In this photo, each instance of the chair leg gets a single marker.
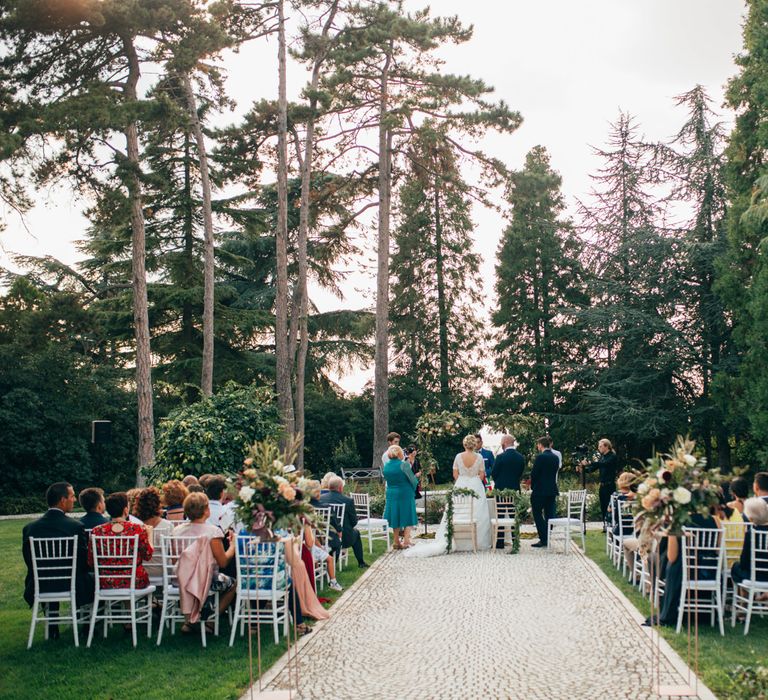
(93, 622)
(33, 624)
(149, 616)
(163, 613)
(748, 620)
(370, 541)
(232, 632)
(681, 609)
(73, 607)
(132, 608)
(203, 632)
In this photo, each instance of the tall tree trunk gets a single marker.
(442, 312)
(299, 320)
(282, 356)
(187, 329)
(206, 380)
(381, 356)
(146, 426)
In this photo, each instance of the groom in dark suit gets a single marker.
(507, 472)
(544, 487)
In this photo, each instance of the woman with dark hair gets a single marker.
(120, 526)
(148, 508)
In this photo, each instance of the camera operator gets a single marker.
(413, 460)
(606, 464)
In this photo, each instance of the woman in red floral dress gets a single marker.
(120, 526)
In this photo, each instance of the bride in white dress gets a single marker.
(468, 467)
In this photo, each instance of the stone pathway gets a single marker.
(535, 625)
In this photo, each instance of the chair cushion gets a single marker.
(371, 522)
(761, 585)
(125, 593)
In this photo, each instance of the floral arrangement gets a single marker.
(270, 493)
(521, 506)
(449, 514)
(675, 486)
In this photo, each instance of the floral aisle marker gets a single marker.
(521, 505)
(449, 514)
(270, 494)
(675, 486)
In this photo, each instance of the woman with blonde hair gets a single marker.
(400, 506)
(606, 465)
(468, 472)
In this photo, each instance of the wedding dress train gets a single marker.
(468, 478)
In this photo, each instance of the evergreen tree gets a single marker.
(436, 276)
(540, 281)
(632, 364)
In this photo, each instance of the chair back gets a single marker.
(577, 501)
(703, 550)
(759, 563)
(626, 518)
(54, 563)
(115, 557)
(505, 507)
(463, 508)
(171, 548)
(338, 510)
(362, 505)
(612, 510)
(323, 523)
(260, 564)
(176, 523)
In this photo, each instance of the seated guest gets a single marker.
(189, 480)
(120, 526)
(321, 550)
(203, 479)
(174, 493)
(197, 511)
(222, 516)
(55, 523)
(673, 570)
(324, 487)
(92, 501)
(195, 488)
(131, 494)
(148, 508)
(739, 490)
(756, 509)
(350, 537)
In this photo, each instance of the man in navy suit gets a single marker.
(56, 523)
(350, 537)
(508, 467)
(760, 485)
(487, 455)
(544, 487)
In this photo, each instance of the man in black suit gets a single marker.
(350, 537)
(56, 523)
(760, 485)
(92, 501)
(507, 471)
(544, 487)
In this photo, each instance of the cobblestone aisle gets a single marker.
(535, 625)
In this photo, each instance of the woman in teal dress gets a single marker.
(400, 508)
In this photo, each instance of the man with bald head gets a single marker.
(350, 537)
(509, 465)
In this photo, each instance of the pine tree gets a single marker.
(633, 361)
(540, 282)
(436, 275)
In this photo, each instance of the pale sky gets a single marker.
(567, 66)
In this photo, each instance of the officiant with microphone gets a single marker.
(606, 465)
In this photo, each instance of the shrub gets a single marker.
(22, 505)
(345, 455)
(749, 683)
(213, 435)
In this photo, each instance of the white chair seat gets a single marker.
(54, 596)
(372, 522)
(565, 521)
(758, 585)
(125, 593)
(503, 521)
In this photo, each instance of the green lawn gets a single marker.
(111, 668)
(717, 655)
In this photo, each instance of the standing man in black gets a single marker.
(544, 487)
(56, 523)
(506, 473)
(606, 465)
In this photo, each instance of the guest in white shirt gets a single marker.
(392, 439)
(222, 516)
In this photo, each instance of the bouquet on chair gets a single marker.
(675, 486)
(270, 494)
